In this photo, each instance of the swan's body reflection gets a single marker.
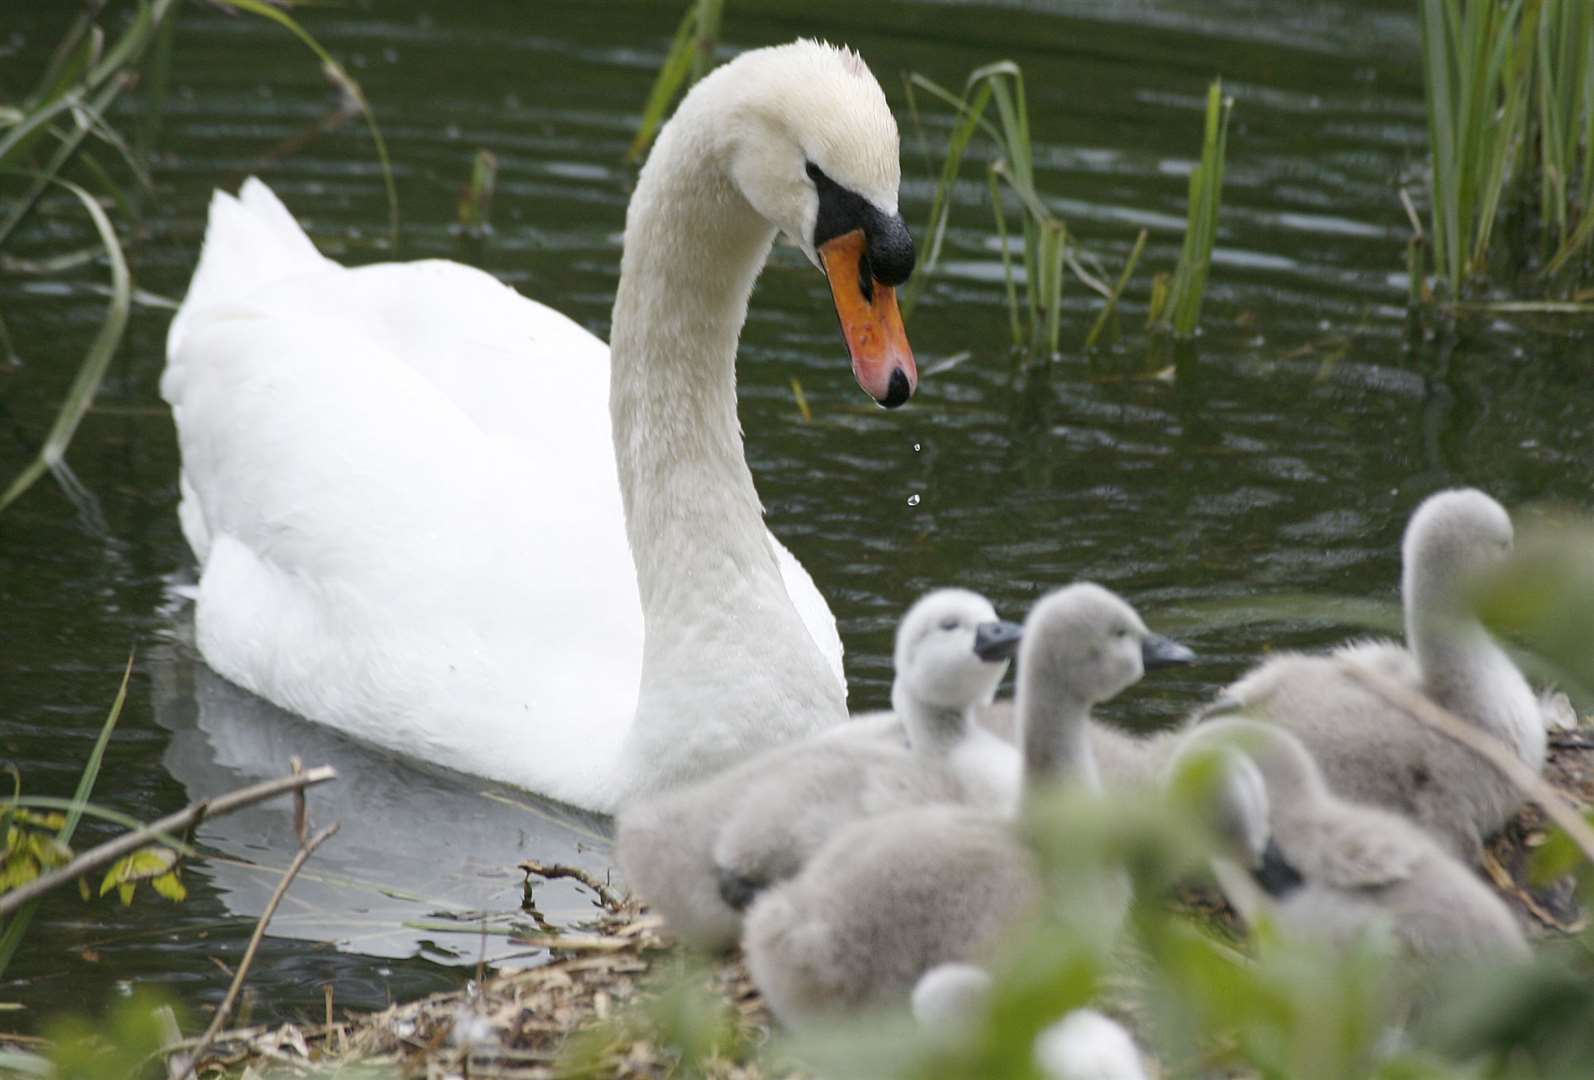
(423, 859)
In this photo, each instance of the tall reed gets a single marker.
(691, 56)
(1043, 239)
(1510, 99)
(49, 139)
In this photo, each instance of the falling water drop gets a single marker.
(913, 500)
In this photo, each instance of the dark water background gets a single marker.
(1281, 460)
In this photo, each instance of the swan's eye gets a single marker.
(1121, 633)
(950, 623)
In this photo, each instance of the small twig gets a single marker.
(1556, 808)
(171, 824)
(606, 895)
(565, 943)
(248, 960)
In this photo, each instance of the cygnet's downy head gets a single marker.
(1452, 539)
(952, 650)
(1085, 643)
(809, 141)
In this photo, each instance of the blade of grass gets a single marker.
(1187, 287)
(1007, 256)
(340, 75)
(95, 362)
(970, 119)
(82, 113)
(686, 61)
(1111, 308)
(102, 813)
(17, 927)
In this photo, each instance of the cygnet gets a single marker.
(887, 898)
(1373, 752)
(697, 855)
(1332, 870)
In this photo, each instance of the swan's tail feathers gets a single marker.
(251, 240)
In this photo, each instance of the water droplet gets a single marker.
(913, 500)
(915, 448)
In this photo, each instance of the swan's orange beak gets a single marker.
(882, 359)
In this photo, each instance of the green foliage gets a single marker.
(49, 139)
(155, 864)
(1544, 596)
(1047, 247)
(124, 1044)
(691, 56)
(1180, 306)
(475, 209)
(17, 927)
(1501, 80)
(680, 1022)
(31, 845)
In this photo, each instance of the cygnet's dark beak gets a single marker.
(997, 640)
(1157, 651)
(1274, 873)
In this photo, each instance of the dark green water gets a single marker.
(1282, 459)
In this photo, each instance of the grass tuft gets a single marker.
(1044, 240)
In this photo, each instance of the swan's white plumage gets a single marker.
(400, 485)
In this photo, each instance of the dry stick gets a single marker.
(606, 894)
(231, 999)
(1499, 755)
(170, 825)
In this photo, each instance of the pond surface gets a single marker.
(1281, 457)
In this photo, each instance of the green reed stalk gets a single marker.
(1188, 286)
(1036, 317)
(17, 927)
(95, 363)
(690, 57)
(1110, 310)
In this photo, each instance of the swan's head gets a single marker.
(1084, 643)
(806, 137)
(952, 650)
(1453, 538)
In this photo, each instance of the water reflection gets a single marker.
(423, 860)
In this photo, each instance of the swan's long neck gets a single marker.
(1055, 726)
(721, 634)
(1465, 670)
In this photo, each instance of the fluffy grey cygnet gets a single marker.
(698, 855)
(1083, 1045)
(1331, 869)
(887, 898)
(1372, 752)
(951, 652)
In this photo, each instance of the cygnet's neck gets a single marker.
(933, 730)
(1054, 724)
(1465, 669)
(728, 665)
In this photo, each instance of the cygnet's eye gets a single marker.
(1121, 633)
(951, 622)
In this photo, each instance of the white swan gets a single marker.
(411, 490)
